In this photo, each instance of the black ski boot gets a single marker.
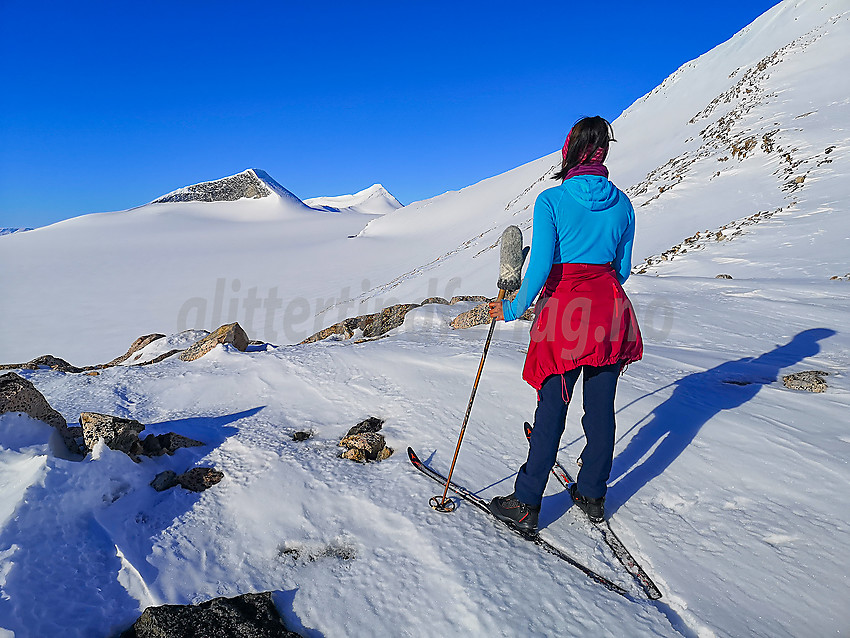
(593, 507)
(515, 513)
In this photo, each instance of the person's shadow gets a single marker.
(697, 398)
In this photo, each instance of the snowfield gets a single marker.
(728, 487)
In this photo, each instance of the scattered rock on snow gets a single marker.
(809, 380)
(199, 479)
(366, 446)
(246, 616)
(301, 436)
(123, 435)
(164, 480)
(722, 276)
(231, 333)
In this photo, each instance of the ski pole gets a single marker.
(512, 256)
(441, 503)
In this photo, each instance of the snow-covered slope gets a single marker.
(375, 200)
(726, 485)
(755, 126)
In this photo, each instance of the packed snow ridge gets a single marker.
(373, 200)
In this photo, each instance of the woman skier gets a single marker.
(580, 257)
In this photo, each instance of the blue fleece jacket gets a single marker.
(585, 220)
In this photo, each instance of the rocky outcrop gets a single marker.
(245, 616)
(138, 344)
(363, 442)
(123, 435)
(231, 333)
(47, 360)
(55, 363)
(20, 395)
(373, 325)
(226, 189)
(723, 276)
(808, 380)
(481, 314)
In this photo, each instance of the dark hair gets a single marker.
(587, 135)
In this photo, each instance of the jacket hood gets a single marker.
(593, 191)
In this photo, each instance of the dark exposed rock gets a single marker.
(372, 424)
(199, 479)
(20, 395)
(245, 616)
(164, 480)
(808, 380)
(301, 436)
(118, 433)
(231, 333)
(227, 189)
(373, 325)
(722, 276)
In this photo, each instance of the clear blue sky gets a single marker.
(106, 105)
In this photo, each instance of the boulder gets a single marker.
(20, 395)
(118, 433)
(301, 436)
(246, 616)
(199, 479)
(808, 380)
(231, 333)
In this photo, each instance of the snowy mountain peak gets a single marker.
(252, 183)
(375, 200)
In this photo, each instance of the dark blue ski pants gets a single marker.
(600, 385)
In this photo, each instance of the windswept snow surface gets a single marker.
(728, 487)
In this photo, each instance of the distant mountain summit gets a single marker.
(11, 231)
(375, 200)
(257, 184)
(252, 183)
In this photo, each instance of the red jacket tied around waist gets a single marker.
(583, 317)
